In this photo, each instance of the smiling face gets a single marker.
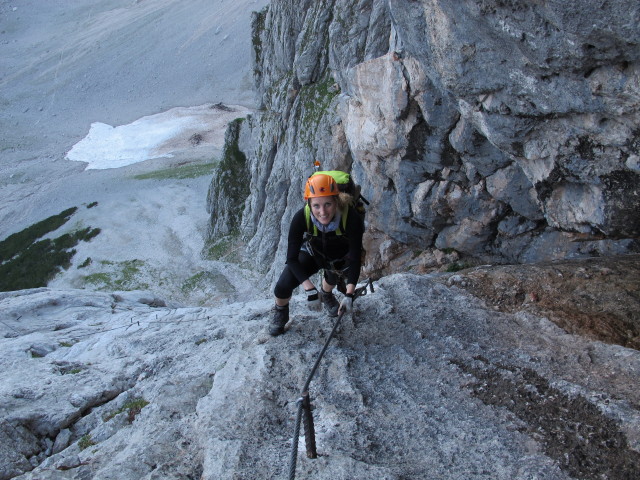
(324, 209)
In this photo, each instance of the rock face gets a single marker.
(506, 131)
(422, 381)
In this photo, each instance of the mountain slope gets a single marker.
(67, 64)
(423, 381)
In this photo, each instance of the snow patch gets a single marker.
(155, 136)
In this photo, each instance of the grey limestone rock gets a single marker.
(63, 439)
(422, 379)
(454, 117)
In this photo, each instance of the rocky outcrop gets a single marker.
(497, 131)
(228, 189)
(423, 380)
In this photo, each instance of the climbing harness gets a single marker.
(304, 402)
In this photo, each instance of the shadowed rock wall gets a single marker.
(496, 131)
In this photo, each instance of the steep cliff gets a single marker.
(485, 131)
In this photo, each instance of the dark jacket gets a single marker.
(328, 246)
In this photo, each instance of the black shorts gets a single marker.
(288, 282)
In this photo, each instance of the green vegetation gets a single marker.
(230, 180)
(86, 263)
(456, 267)
(201, 341)
(204, 280)
(316, 100)
(180, 173)
(134, 407)
(220, 248)
(27, 263)
(257, 27)
(124, 277)
(194, 281)
(14, 244)
(85, 442)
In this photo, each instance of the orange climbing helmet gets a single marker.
(320, 185)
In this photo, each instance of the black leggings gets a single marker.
(287, 281)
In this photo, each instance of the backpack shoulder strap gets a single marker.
(307, 217)
(343, 221)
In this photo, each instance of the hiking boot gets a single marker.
(279, 320)
(330, 303)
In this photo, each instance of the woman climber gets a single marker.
(325, 234)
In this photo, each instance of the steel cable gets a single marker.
(293, 459)
(294, 444)
(305, 389)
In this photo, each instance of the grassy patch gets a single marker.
(228, 248)
(220, 248)
(85, 442)
(73, 371)
(125, 276)
(134, 407)
(194, 281)
(26, 262)
(180, 173)
(456, 267)
(98, 278)
(203, 280)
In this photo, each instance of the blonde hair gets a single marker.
(344, 200)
